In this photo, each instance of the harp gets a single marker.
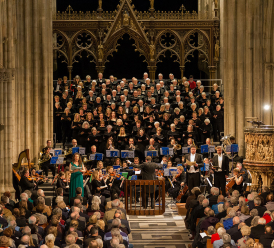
(22, 155)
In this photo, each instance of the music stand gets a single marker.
(127, 154)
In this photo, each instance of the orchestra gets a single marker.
(140, 119)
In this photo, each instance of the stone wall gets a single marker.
(26, 76)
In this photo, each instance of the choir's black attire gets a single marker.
(57, 123)
(141, 141)
(66, 127)
(94, 140)
(218, 123)
(82, 137)
(76, 126)
(206, 131)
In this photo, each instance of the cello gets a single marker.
(231, 183)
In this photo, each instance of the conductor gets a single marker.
(193, 171)
(148, 173)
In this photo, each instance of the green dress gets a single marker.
(76, 180)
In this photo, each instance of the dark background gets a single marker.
(126, 62)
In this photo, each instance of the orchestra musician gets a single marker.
(45, 162)
(112, 182)
(62, 182)
(193, 171)
(244, 174)
(221, 169)
(25, 183)
(48, 146)
(238, 180)
(178, 182)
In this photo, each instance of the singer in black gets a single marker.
(193, 171)
(221, 169)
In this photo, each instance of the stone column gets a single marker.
(246, 48)
(26, 100)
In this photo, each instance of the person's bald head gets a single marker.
(44, 246)
(206, 210)
(25, 240)
(77, 202)
(74, 216)
(236, 220)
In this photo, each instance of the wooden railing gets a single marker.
(148, 191)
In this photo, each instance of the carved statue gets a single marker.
(151, 51)
(100, 2)
(151, 4)
(217, 49)
(216, 4)
(100, 52)
(126, 19)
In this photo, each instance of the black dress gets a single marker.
(95, 184)
(76, 126)
(82, 136)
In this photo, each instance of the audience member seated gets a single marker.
(257, 229)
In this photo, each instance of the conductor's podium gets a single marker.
(148, 191)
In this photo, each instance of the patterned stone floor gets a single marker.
(159, 231)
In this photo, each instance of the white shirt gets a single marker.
(192, 159)
(220, 160)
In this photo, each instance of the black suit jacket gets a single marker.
(198, 159)
(261, 210)
(257, 231)
(225, 163)
(148, 170)
(266, 240)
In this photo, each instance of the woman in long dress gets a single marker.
(76, 167)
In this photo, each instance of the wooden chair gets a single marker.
(197, 221)
(208, 244)
(257, 240)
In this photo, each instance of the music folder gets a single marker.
(204, 148)
(53, 160)
(185, 150)
(112, 153)
(166, 151)
(153, 153)
(96, 156)
(57, 152)
(127, 154)
(232, 148)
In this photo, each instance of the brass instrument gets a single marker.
(132, 147)
(226, 142)
(45, 159)
(177, 147)
(68, 152)
(150, 148)
(85, 160)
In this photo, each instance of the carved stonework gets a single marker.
(154, 32)
(259, 154)
(259, 147)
